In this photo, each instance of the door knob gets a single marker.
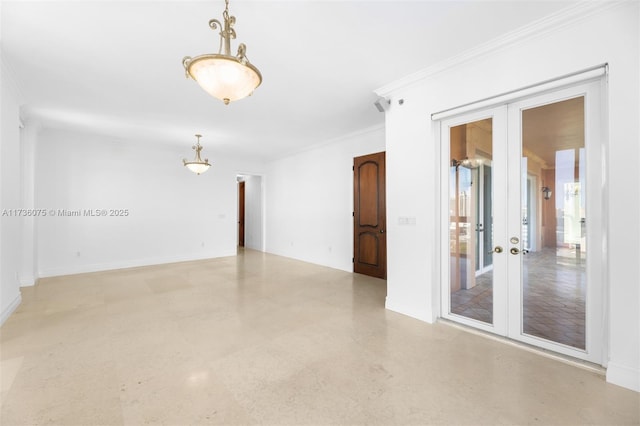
(498, 249)
(514, 250)
(382, 231)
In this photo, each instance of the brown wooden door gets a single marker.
(241, 214)
(369, 216)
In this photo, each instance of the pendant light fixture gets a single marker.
(197, 166)
(221, 74)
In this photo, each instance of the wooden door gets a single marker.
(369, 216)
(241, 214)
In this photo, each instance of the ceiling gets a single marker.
(114, 67)
(546, 129)
(551, 128)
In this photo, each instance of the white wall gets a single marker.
(173, 214)
(591, 34)
(309, 200)
(10, 225)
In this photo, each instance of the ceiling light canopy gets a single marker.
(221, 74)
(197, 166)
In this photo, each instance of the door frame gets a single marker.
(594, 91)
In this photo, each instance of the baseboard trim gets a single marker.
(11, 308)
(622, 375)
(585, 365)
(616, 374)
(100, 267)
(27, 281)
(342, 267)
(399, 308)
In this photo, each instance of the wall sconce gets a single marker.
(469, 163)
(546, 192)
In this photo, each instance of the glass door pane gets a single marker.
(471, 221)
(553, 217)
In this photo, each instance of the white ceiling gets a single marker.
(551, 128)
(114, 67)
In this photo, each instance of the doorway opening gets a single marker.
(250, 229)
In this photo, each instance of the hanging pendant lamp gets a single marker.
(221, 74)
(197, 166)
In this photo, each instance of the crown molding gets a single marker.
(330, 141)
(541, 27)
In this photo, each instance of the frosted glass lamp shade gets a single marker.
(224, 77)
(198, 168)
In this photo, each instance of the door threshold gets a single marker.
(585, 365)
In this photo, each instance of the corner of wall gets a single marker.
(27, 281)
(10, 243)
(624, 376)
(10, 308)
(400, 308)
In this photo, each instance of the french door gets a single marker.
(522, 220)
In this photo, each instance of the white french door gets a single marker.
(522, 220)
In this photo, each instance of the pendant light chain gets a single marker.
(225, 14)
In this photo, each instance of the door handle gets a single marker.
(514, 250)
(382, 231)
(498, 249)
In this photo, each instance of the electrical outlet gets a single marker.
(406, 221)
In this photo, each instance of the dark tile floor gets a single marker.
(553, 297)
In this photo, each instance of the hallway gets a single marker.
(263, 339)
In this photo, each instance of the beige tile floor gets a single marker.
(262, 339)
